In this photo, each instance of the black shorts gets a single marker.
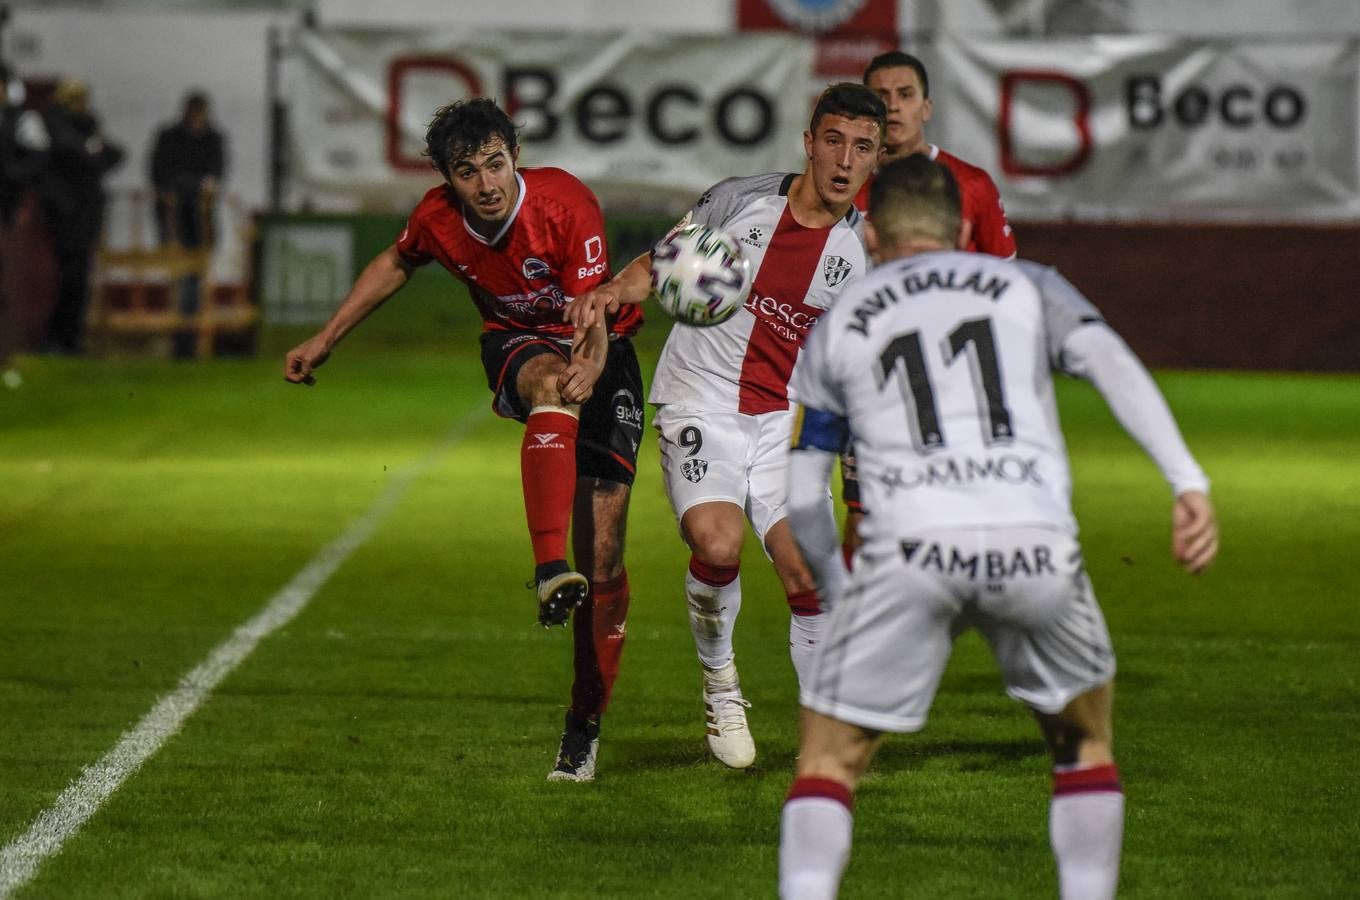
(611, 420)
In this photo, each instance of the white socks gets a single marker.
(805, 633)
(713, 611)
(814, 843)
(1086, 831)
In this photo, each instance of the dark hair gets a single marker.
(896, 59)
(195, 102)
(854, 101)
(461, 129)
(917, 194)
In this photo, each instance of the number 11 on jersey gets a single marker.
(904, 355)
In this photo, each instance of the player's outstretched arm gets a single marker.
(632, 285)
(1194, 531)
(380, 279)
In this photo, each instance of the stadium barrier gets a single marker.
(1206, 296)
(1215, 296)
(165, 297)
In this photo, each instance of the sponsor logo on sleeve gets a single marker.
(594, 265)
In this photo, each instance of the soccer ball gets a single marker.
(700, 275)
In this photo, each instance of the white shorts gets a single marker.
(733, 457)
(889, 637)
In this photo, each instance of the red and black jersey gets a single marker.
(981, 203)
(550, 249)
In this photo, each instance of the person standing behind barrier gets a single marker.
(24, 146)
(188, 162)
(73, 199)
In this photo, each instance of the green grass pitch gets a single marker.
(392, 741)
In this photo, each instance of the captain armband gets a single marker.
(814, 429)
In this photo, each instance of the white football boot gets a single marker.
(729, 737)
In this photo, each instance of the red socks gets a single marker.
(547, 466)
(713, 576)
(599, 628)
(804, 604)
(1096, 779)
(827, 788)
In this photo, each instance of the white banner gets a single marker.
(1157, 128)
(641, 117)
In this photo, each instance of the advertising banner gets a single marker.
(1157, 128)
(643, 118)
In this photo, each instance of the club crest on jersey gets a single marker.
(535, 269)
(835, 269)
(694, 469)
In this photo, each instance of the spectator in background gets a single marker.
(24, 146)
(187, 165)
(73, 200)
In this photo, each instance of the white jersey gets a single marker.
(942, 364)
(744, 364)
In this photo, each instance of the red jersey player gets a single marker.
(900, 81)
(723, 415)
(525, 242)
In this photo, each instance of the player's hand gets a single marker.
(590, 347)
(591, 308)
(1194, 531)
(576, 384)
(303, 359)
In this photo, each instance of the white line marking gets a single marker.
(82, 799)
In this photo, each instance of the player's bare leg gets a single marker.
(816, 825)
(806, 619)
(851, 540)
(599, 523)
(714, 532)
(548, 474)
(1086, 815)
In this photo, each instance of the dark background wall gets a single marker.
(1217, 296)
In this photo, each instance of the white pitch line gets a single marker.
(82, 799)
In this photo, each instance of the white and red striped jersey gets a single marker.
(744, 364)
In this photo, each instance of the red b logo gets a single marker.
(1011, 164)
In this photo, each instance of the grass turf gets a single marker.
(393, 739)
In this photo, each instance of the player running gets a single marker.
(721, 392)
(525, 242)
(940, 363)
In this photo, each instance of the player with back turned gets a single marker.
(941, 364)
(721, 392)
(525, 242)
